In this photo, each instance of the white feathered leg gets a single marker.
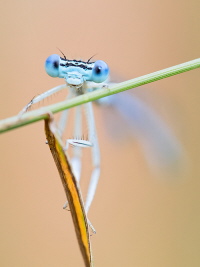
(41, 97)
(77, 153)
(63, 118)
(95, 156)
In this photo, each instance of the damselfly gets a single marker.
(82, 77)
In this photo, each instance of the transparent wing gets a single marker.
(161, 148)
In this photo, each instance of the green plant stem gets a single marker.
(40, 114)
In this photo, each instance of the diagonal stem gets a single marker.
(36, 115)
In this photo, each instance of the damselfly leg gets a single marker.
(77, 152)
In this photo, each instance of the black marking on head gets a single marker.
(77, 63)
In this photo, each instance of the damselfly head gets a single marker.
(76, 72)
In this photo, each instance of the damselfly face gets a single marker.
(76, 72)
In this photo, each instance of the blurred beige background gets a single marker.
(141, 219)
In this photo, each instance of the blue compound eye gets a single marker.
(100, 71)
(52, 65)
